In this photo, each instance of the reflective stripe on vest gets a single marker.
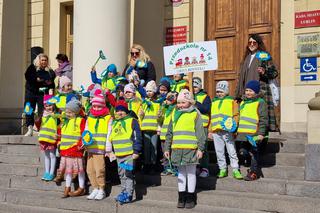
(70, 133)
(48, 130)
(121, 137)
(184, 136)
(200, 98)
(226, 109)
(100, 134)
(150, 119)
(109, 84)
(249, 117)
(62, 103)
(165, 125)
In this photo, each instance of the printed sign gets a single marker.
(308, 77)
(308, 45)
(190, 57)
(307, 19)
(308, 65)
(176, 35)
(176, 3)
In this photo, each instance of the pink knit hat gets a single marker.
(64, 80)
(46, 98)
(98, 99)
(151, 86)
(130, 88)
(186, 96)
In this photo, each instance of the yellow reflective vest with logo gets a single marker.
(249, 116)
(183, 130)
(135, 105)
(150, 119)
(165, 124)
(219, 109)
(200, 98)
(121, 137)
(70, 133)
(99, 130)
(109, 84)
(48, 130)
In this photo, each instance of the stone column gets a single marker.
(99, 25)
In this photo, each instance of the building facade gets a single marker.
(82, 28)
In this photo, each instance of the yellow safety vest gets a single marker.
(184, 136)
(178, 86)
(249, 116)
(70, 133)
(218, 113)
(99, 134)
(121, 137)
(109, 84)
(135, 105)
(150, 119)
(48, 130)
(62, 103)
(200, 98)
(165, 125)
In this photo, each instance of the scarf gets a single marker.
(179, 112)
(59, 70)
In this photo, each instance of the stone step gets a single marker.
(18, 139)
(283, 159)
(19, 159)
(286, 146)
(19, 169)
(25, 149)
(40, 198)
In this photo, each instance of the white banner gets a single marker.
(190, 57)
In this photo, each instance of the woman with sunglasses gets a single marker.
(139, 61)
(252, 68)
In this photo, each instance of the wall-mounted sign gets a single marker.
(307, 19)
(310, 77)
(190, 57)
(308, 45)
(176, 3)
(308, 65)
(176, 35)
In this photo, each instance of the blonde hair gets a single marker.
(36, 61)
(144, 57)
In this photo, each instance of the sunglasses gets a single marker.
(252, 42)
(135, 53)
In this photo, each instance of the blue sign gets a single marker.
(312, 77)
(308, 65)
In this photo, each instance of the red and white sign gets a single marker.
(307, 19)
(176, 3)
(176, 35)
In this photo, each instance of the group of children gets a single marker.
(119, 119)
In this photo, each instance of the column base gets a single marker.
(312, 162)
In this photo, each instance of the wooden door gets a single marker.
(230, 22)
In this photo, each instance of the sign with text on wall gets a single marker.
(307, 19)
(190, 57)
(308, 45)
(176, 35)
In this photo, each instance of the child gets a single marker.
(99, 125)
(134, 103)
(203, 104)
(126, 141)
(65, 89)
(223, 105)
(48, 138)
(185, 143)
(178, 83)
(149, 126)
(135, 80)
(168, 109)
(109, 78)
(252, 122)
(71, 162)
(164, 87)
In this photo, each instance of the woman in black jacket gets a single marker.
(39, 80)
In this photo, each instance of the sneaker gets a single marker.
(204, 173)
(119, 196)
(45, 176)
(93, 194)
(222, 173)
(125, 198)
(100, 195)
(236, 174)
(251, 176)
(49, 177)
(29, 132)
(165, 172)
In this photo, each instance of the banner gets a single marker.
(190, 57)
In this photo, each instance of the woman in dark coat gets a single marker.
(139, 61)
(39, 80)
(252, 69)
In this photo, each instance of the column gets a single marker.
(99, 25)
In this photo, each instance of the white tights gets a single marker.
(50, 161)
(81, 179)
(187, 177)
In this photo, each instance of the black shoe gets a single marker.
(190, 201)
(181, 200)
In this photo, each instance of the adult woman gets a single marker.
(65, 68)
(139, 61)
(253, 69)
(39, 80)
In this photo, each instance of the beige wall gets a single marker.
(294, 94)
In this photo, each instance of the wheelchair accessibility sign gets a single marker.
(308, 65)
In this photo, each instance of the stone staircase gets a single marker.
(282, 189)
